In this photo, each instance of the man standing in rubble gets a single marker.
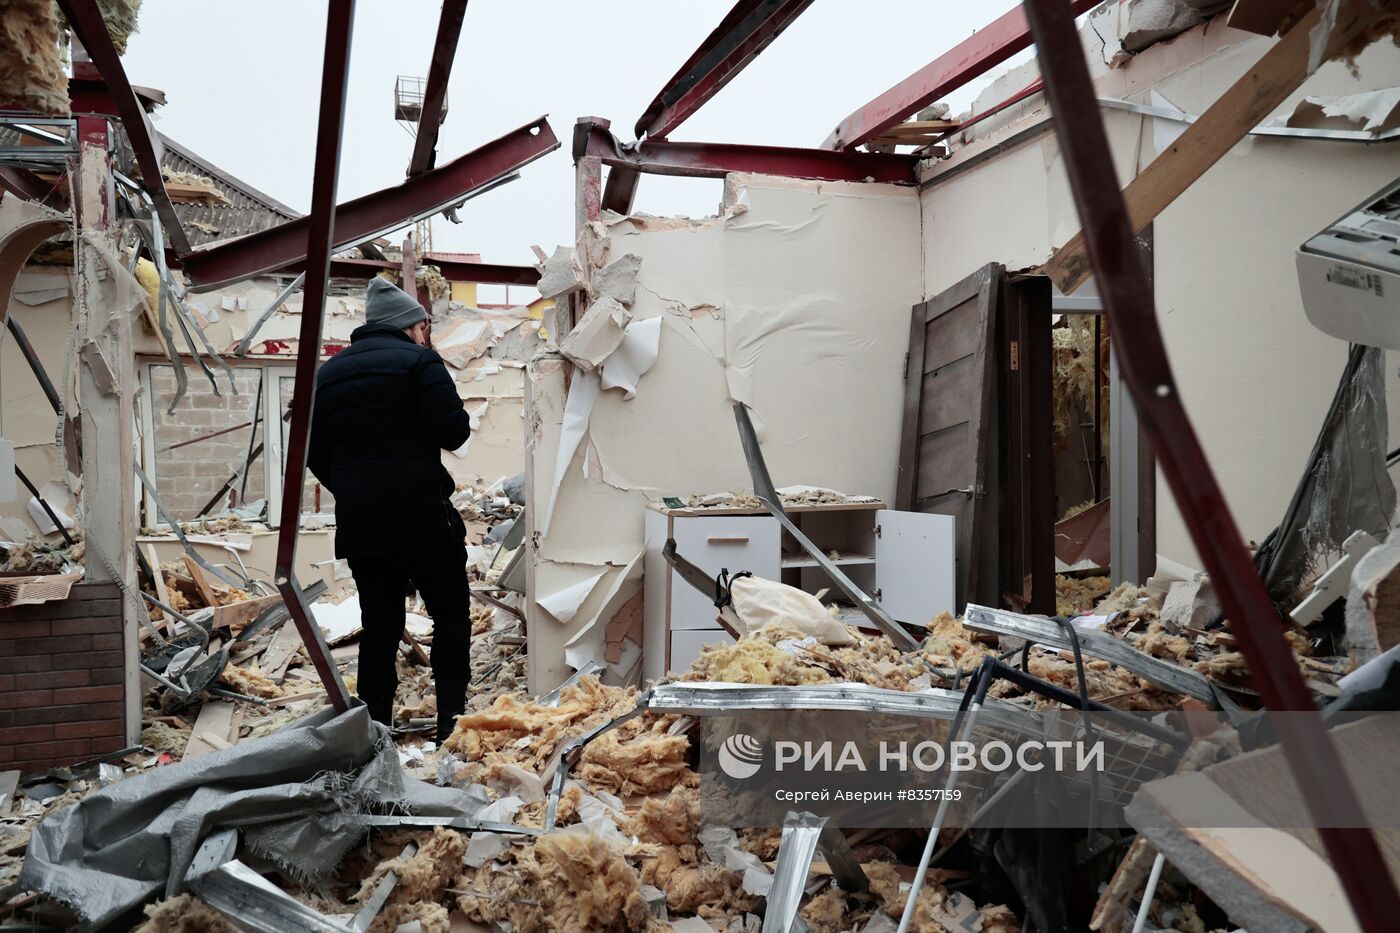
(385, 408)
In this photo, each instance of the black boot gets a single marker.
(447, 724)
(381, 709)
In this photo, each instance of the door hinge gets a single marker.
(906, 365)
(878, 595)
(878, 531)
(1015, 355)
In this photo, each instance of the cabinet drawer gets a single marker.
(713, 543)
(686, 645)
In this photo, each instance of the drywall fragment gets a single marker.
(564, 604)
(618, 279)
(636, 354)
(583, 392)
(597, 334)
(561, 274)
(1375, 110)
(60, 500)
(722, 845)
(1190, 604)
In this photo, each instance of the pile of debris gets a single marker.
(623, 846)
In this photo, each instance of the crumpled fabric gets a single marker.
(299, 796)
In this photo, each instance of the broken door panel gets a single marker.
(943, 459)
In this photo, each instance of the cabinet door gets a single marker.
(713, 543)
(915, 564)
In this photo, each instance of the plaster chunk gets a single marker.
(1151, 21)
(618, 279)
(561, 274)
(598, 333)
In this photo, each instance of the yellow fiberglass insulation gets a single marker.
(950, 645)
(31, 69)
(184, 914)
(250, 683)
(1073, 375)
(571, 879)
(638, 757)
(516, 731)
(753, 660)
(423, 877)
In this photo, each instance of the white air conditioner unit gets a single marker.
(1350, 273)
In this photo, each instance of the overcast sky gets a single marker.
(242, 81)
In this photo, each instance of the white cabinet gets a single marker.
(903, 559)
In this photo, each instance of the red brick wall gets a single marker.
(62, 680)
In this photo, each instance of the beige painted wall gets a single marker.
(795, 299)
(1256, 378)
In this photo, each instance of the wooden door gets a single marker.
(948, 405)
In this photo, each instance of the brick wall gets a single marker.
(62, 680)
(187, 477)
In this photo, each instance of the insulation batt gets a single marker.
(31, 70)
(183, 914)
(423, 877)
(513, 731)
(250, 683)
(571, 879)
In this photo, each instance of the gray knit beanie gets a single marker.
(390, 305)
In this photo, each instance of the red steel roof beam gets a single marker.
(973, 57)
(91, 29)
(1254, 621)
(318, 232)
(736, 41)
(435, 94)
(374, 214)
(715, 160)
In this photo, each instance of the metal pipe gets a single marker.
(32, 358)
(1149, 892)
(1128, 300)
(205, 437)
(978, 693)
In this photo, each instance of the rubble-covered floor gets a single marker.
(629, 851)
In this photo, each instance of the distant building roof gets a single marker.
(248, 210)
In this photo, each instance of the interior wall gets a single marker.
(1255, 376)
(796, 300)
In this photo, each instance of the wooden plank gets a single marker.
(239, 614)
(9, 783)
(415, 651)
(280, 652)
(201, 583)
(211, 729)
(1277, 74)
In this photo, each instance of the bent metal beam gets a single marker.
(372, 215)
(1137, 340)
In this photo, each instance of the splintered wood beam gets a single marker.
(1279, 73)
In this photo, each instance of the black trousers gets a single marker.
(440, 576)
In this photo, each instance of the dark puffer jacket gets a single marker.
(385, 409)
